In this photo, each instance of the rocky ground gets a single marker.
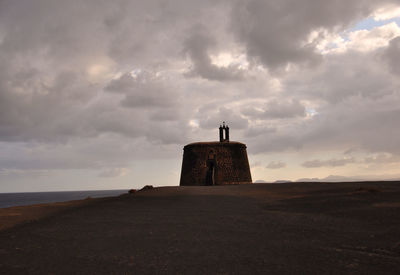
(290, 228)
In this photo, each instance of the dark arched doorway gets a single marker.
(210, 175)
(211, 165)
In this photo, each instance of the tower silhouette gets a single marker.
(215, 163)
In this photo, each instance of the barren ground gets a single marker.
(302, 228)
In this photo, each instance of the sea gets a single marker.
(18, 199)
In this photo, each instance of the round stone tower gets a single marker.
(215, 163)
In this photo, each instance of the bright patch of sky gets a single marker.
(370, 23)
(380, 17)
(311, 112)
(226, 59)
(368, 34)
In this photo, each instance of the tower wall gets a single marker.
(215, 163)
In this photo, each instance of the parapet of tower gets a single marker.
(215, 163)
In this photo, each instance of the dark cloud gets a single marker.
(166, 115)
(342, 77)
(392, 55)
(276, 165)
(197, 47)
(276, 33)
(371, 126)
(143, 90)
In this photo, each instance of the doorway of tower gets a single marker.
(211, 165)
(210, 175)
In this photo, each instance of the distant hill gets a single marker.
(277, 181)
(337, 178)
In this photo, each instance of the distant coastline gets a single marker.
(30, 198)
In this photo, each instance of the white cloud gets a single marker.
(359, 40)
(387, 12)
(364, 40)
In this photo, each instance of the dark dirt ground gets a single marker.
(291, 228)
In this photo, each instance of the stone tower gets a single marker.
(215, 163)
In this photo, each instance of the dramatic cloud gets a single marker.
(92, 89)
(276, 33)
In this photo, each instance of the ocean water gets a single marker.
(17, 199)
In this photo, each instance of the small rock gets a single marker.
(147, 187)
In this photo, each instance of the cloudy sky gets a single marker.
(105, 94)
